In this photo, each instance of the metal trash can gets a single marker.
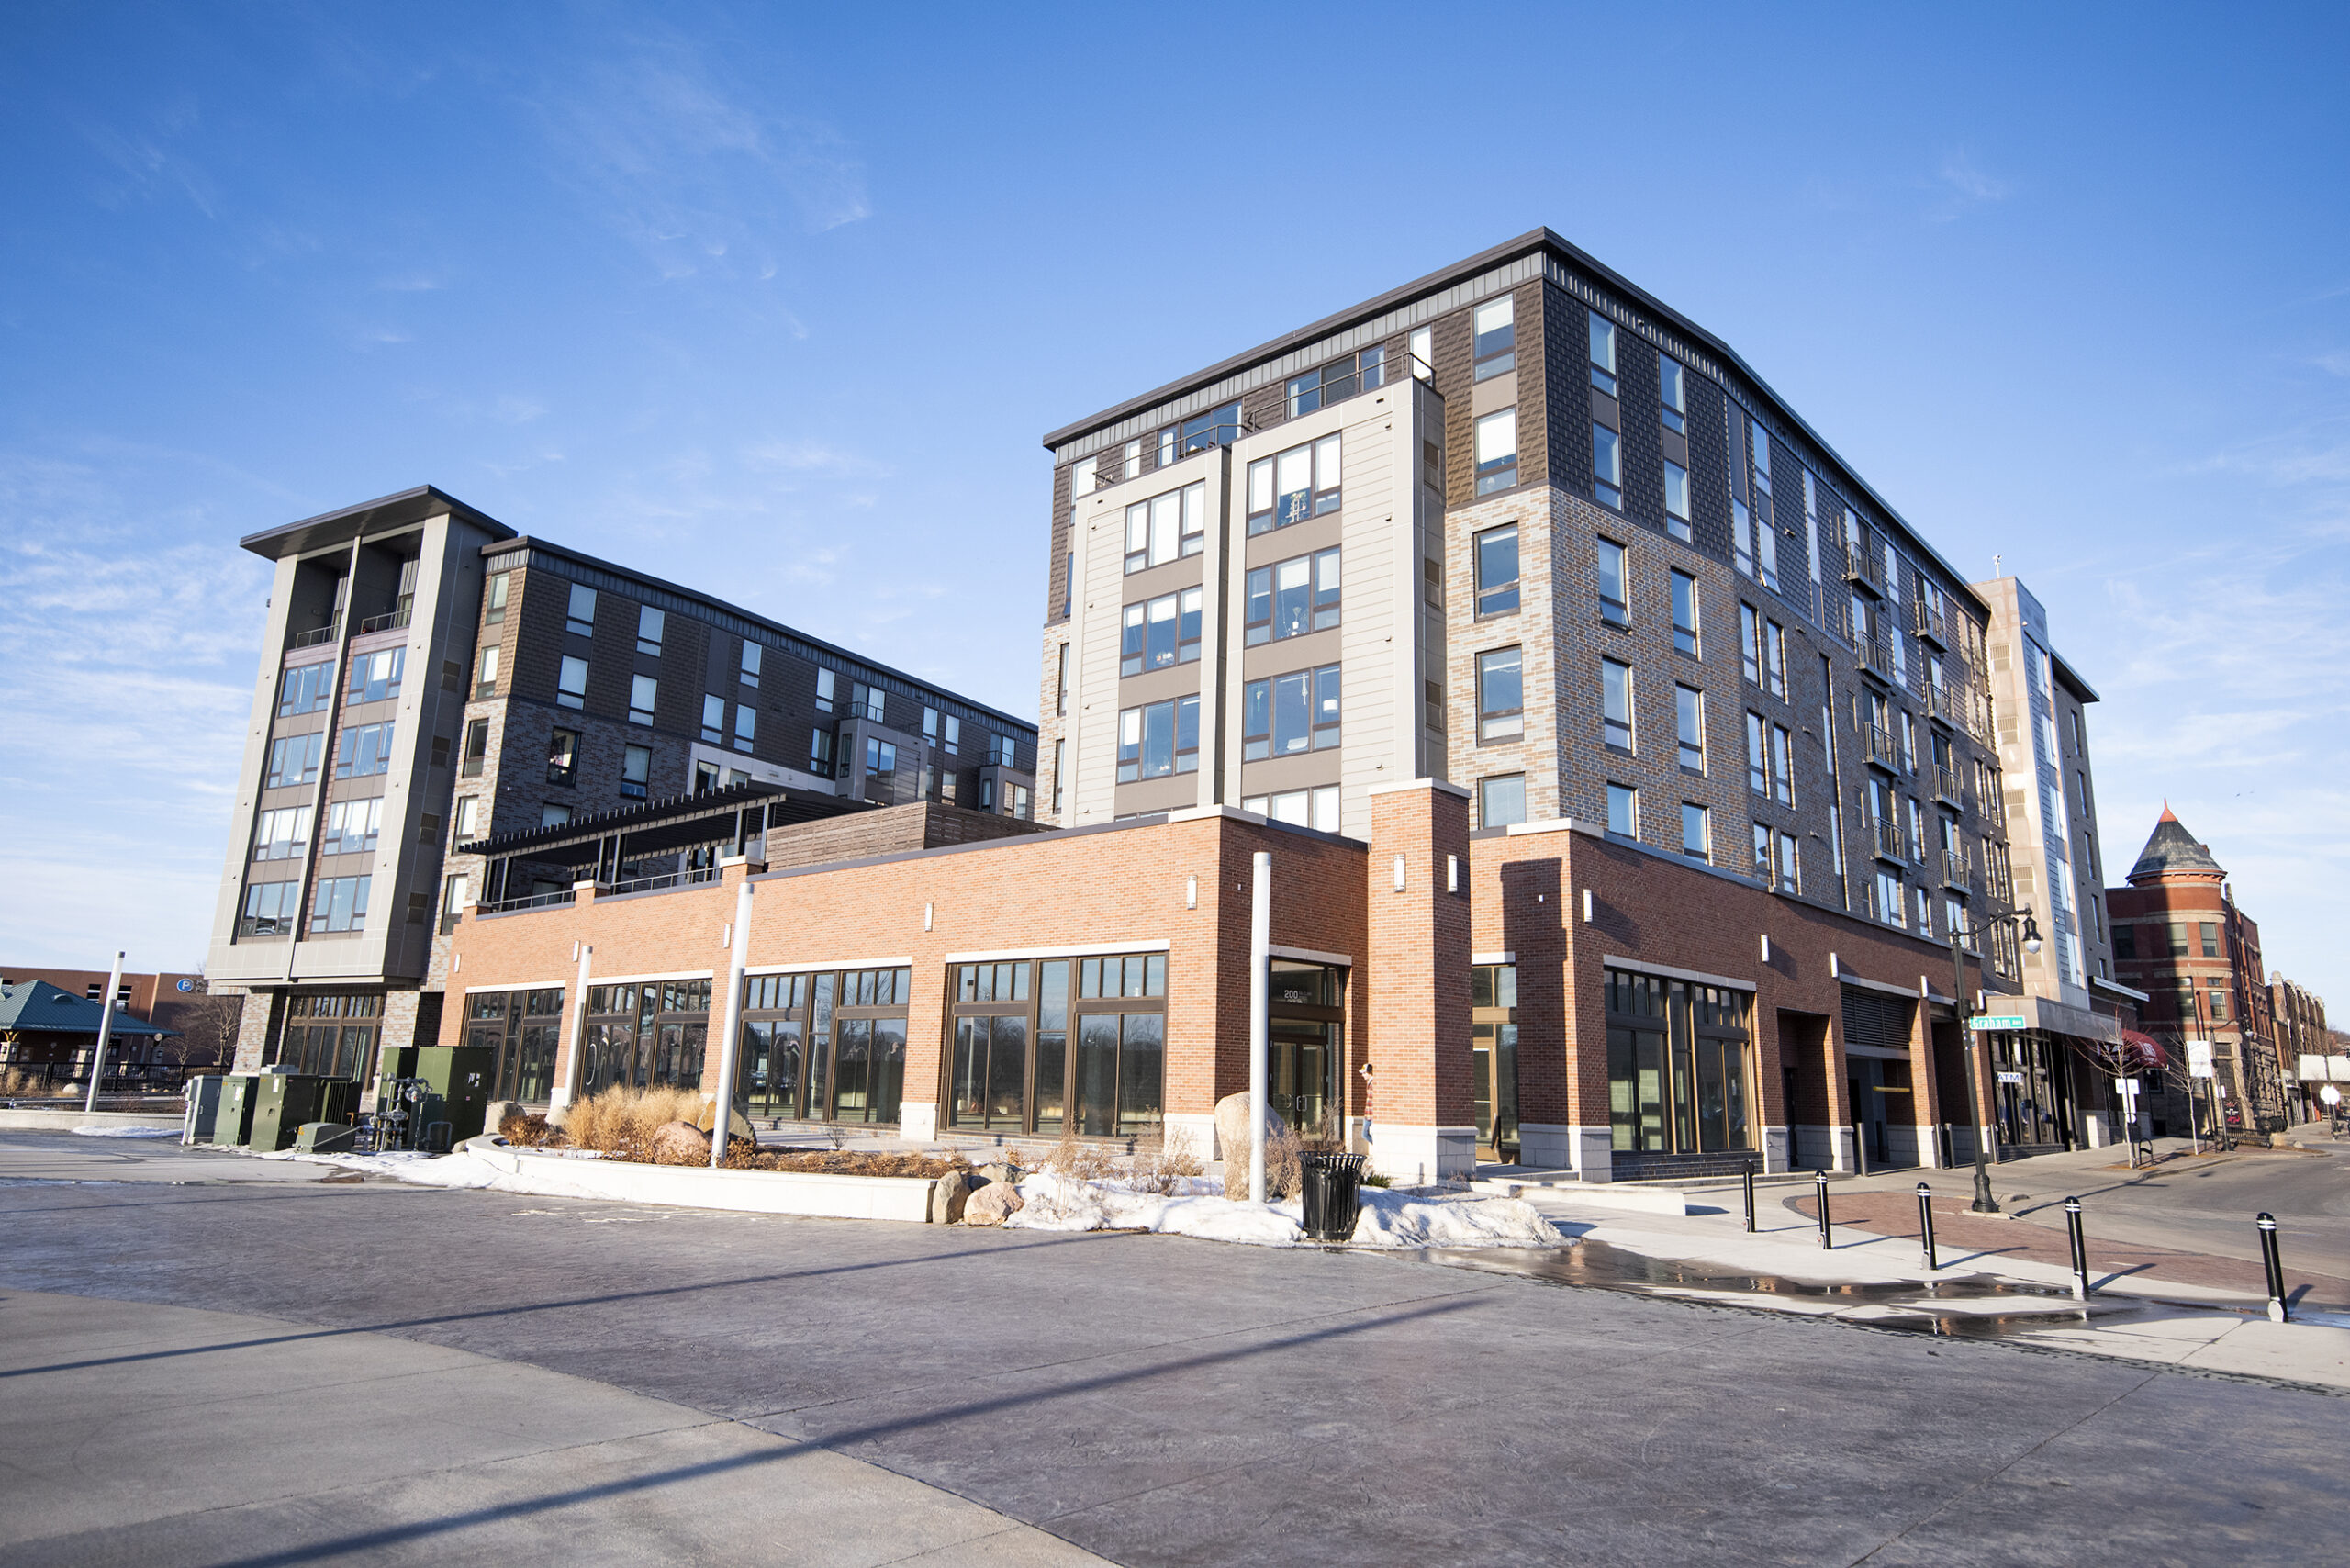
(1332, 1194)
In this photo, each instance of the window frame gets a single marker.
(1504, 723)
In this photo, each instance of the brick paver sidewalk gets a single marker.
(1956, 1233)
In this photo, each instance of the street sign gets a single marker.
(2330, 1094)
(187, 984)
(2129, 1088)
(1999, 1023)
(2198, 1058)
(2012, 1078)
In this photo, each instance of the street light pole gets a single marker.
(1984, 1203)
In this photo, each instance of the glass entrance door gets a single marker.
(1301, 1071)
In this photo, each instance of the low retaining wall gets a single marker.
(822, 1196)
(66, 1121)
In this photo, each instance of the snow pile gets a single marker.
(1388, 1219)
(458, 1170)
(126, 1132)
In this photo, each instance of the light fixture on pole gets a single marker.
(1984, 1203)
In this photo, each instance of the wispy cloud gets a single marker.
(147, 164)
(1962, 186)
(806, 458)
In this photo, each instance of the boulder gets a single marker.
(680, 1143)
(999, 1171)
(948, 1197)
(992, 1204)
(1232, 1129)
(738, 1124)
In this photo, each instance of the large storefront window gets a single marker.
(827, 1047)
(643, 1035)
(331, 1035)
(522, 1030)
(1492, 1044)
(1680, 1080)
(1306, 1010)
(2031, 1090)
(1011, 1067)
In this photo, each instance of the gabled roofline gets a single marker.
(1533, 241)
(383, 514)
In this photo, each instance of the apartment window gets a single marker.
(1423, 352)
(1889, 897)
(649, 624)
(2219, 1001)
(1790, 867)
(1288, 714)
(1496, 346)
(1623, 810)
(283, 834)
(954, 734)
(820, 743)
(477, 747)
(563, 757)
(1166, 528)
(1316, 809)
(1160, 739)
(1603, 354)
(753, 654)
(1163, 632)
(880, 764)
(1672, 388)
(1909, 743)
(1616, 703)
(1060, 688)
(340, 904)
(1326, 726)
(1336, 381)
(307, 688)
(868, 702)
(1690, 705)
(493, 606)
(485, 673)
(636, 771)
(1007, 752)
(713, 719)
(1606, 465)
(1496, 446)
(1292, 597)
(1060, 756)
(1758, 761)
(2125, 944)
(376, 677)
(1696, 833)
(554, 813)
(467, 826)
(1217, 427)
(1684, 615)
(364, 750)
(269, 909)
(1775, 658)
(1501, 695)
(2211, 932)
(1782, 781)
(1762, 854)
(1677, 501)
(581, 618)
(1614, 602)
(1497, 570)
(294, 760)
(746, 726)
(825, 688)
(571, 683)
(1500, 800)
(643, 693)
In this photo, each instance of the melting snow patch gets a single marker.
(1388, 1219)
(128, 1132)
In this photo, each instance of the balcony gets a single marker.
(665, 879)
(1876, 658)
(316, 637)
(1865, 562)
(1887, 842)
(390, 622)
(1928, 624)
(1942, 707)
(1958, 871)
(536, 901)
(1878, 741)
(1946, 786)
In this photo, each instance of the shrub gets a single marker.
(1162, 1168)
(529, 1131)
(620, 1123)
(1078, 1160)
(743, 1155)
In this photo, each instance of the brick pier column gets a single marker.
(1422, 1122)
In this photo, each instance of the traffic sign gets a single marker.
(2198, 1058)
(1999, 1023)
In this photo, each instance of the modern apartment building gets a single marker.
(432, 680)
(1521, 527)
(2180, 937)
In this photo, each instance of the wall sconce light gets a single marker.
(1399, 873)
(1589, 913)
(1452, 873)
(925, 917)
(1191, 892)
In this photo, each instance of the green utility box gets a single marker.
(232, 1127)
(286, 1099)
(460, 1078)
(326, 1138)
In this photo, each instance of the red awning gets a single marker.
(2141, 1053)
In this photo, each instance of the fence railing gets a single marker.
(665, 879)
(317, 637)
(536, 901)
(386, 622)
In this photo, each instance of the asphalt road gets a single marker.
(1156, 1400)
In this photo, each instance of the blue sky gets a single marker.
(777, 301)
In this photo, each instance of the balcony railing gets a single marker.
(1876, 656)
(666, 879)
(389, 622)
(1929, 624)
(264, 926)
(317, 637)
(1887, 840)
(1879, 742)
(1865, 562)
(1958, 871)
(1112, 467)
(1946, 785)
(1943, 705)
(536, 901)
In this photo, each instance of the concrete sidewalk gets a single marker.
(149, 1434)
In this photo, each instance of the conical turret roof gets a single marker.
(2172, 851)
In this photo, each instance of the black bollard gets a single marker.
(1826, 1242)
(2080, 1248)
(1926, 1223)
(1859, 1149)
(1748, 1182)
(2276, 1266)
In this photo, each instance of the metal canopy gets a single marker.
(607, 839)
